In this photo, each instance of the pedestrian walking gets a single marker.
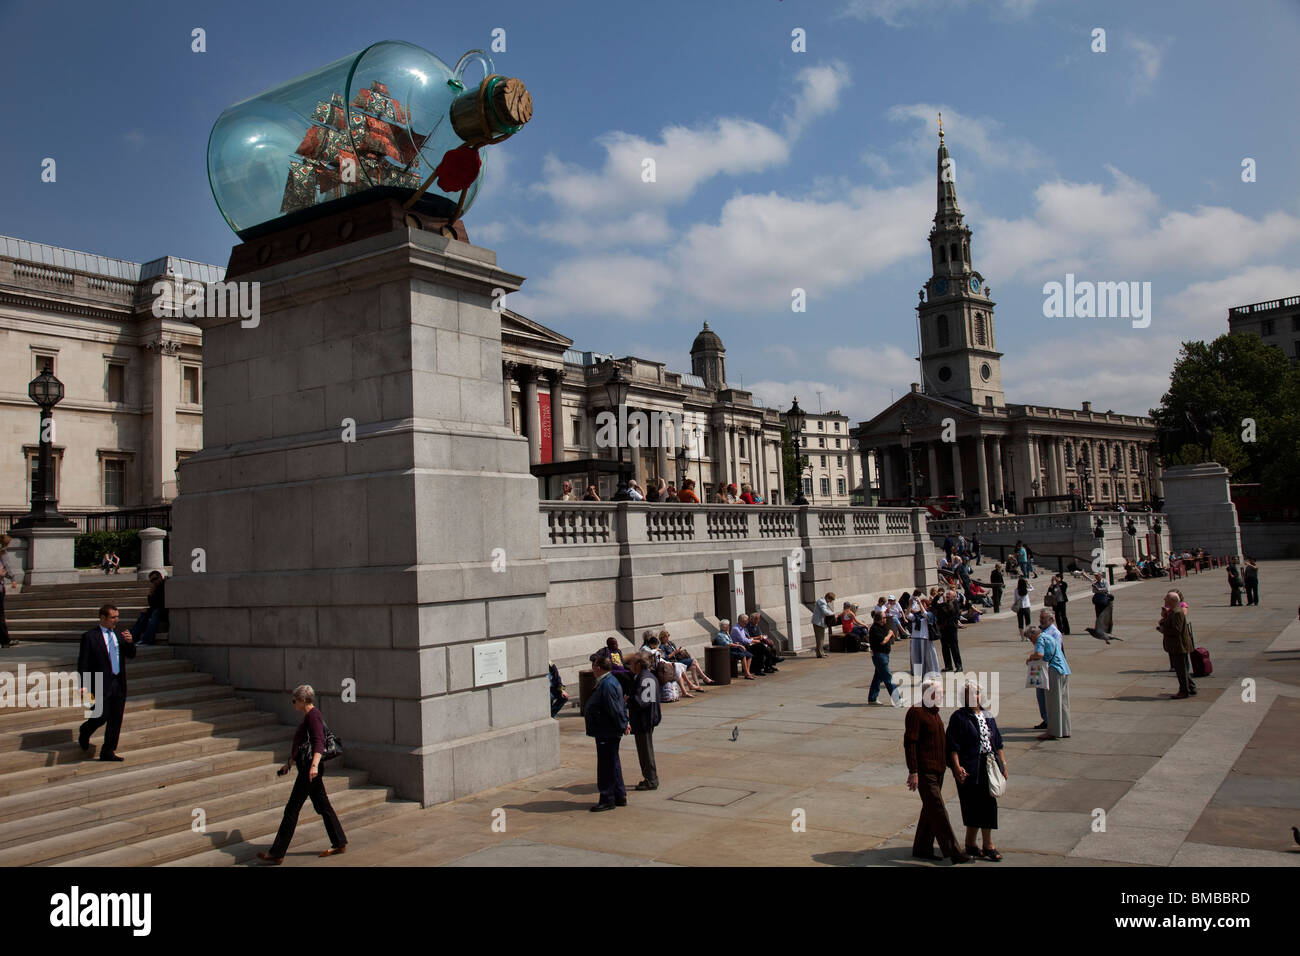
(643, 716)
(308, 751)
(1048, 647)
(997, 582)
(925, 748)
(948, 615)
(976, 547)
(102, 659)
(925, 634)
(974, 739)
(1250, 574)
(1062, 599)
(1177, 642)
(822, 616)
(1021, 602)
(606, 717)
(880, 636)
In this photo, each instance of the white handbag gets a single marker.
(1037, 676)
(997, 779)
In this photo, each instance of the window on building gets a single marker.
(577, 431)
(1295, 322)
(190, 384)
(115, 383)
(39, 358)
(980, 329)
(942, 326)
(837, 426)
(1133, 457)
(708, 445)
(842, 485)
(1137, 490)
(837, 443)
(114, 482)
(1101, 456)
(823, 461)
(1266, 327)
(953, 252)
(826, 487)
(807, 485)
(803, 441)
(1069, 455)
(1083, 454)
(1105, 489)
(821, 442)
(839, 461)
(821, 426)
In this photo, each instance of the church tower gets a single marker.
(959, 358)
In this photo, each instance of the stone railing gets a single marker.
(579, 523)
(1071, 521)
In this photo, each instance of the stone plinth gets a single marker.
(1200, 509)
(366, 519)
(151, 552)
(51, 555)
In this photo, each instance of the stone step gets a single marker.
(242, 829)
(72, 593)
(86, 789)
(88, 613)
(308, 840)
(20, 780)
(76, 832)
(16, 719)
(132, 739)
(65, 731)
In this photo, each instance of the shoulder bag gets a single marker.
(997, 779)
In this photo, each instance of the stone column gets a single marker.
(529, 415)
(996, 450)
(449, 659)
(733, 444)
(557, 415)
(165, 390)
(760, 485)
(932, 457)
(507, 393)
(887, 472)
(958, 489)
(1060, 466)
(1033, 466)
(982, 473)
(1157, 482)
(780, 476)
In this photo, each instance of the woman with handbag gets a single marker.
(975, 755)
(1021, 603)
(310, 744)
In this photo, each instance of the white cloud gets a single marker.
(1148, 58)
(613, 286)
(819, 93)
(983, 137)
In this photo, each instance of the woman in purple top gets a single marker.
(310, 782)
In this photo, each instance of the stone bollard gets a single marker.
(151, 552)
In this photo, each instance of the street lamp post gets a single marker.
(1114, 488)
(905, 438)
(794, 422)
(46, 391)
(616, 391)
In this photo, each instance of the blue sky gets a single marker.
(775, 169)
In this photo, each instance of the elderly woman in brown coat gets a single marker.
(1178, 643)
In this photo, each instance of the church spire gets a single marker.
(948, 212)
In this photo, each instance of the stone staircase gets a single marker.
(189, 744)
(63, 612)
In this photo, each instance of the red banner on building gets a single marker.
(544, 415)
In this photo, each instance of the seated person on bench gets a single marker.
(723, 639)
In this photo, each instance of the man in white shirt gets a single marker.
(823, 613)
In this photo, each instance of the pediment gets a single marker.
(921, 412)
(520, 330)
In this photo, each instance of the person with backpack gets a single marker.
(1178, 643)
(308, 751)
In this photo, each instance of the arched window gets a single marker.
(1133, 457)
(980, 329)
(943, 253)
(943, 331)
(965, 250)
(954, 253)
(1101, 456)
(1069, 454)
(1083, 454)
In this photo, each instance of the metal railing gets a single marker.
(128, 519)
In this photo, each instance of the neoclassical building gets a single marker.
(133, 390)
(554, 394)
(962, 438)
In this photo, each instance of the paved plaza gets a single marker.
(1213, 780)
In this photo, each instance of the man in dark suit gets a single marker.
(643, 717)
(606, 717)
(102, 662)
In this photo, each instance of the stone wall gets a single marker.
(619, 568)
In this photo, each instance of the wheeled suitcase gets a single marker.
(1201, 666)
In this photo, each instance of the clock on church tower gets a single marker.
(959, 356)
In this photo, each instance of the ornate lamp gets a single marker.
(794, 422)
(905, 439)
(616, 391)
(46, 391)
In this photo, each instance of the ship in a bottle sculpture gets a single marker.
(390, 122)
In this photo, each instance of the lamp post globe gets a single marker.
(794, 422)
(616, 389)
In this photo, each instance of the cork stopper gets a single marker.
(495, 111)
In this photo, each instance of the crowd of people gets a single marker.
(660, 490)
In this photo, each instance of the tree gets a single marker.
(1235, 400)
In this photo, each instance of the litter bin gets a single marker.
(717, 664)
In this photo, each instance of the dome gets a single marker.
(707, 340)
